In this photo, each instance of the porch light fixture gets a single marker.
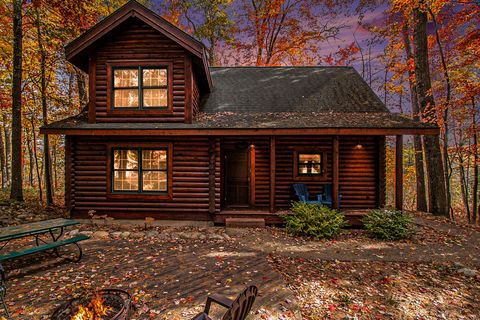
(358, 145)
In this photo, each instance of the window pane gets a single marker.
(125, 159)
(154, 181)
(154, 159)
(308, 158)
(310, 169)
(125, 180)
(155, 98)
(125, 78)
(126, 98)
(154, 77)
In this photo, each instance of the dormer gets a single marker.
(141, 68)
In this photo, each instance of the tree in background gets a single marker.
(435, 172)
(17, 168)
(285, 31)
(208, 20)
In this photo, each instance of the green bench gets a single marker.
(43, 247)
(53, 229)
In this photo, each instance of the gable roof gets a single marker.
(290, 89)
(77, 50)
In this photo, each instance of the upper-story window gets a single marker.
(140, 88)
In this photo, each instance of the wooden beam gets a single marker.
(92, 81)
(122, 129)
(211, 176)
(399, 172)
(381, 171)
(273, 173)
(251, 176)
(335, 174)
(68, 173)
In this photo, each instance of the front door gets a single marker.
(236, 178)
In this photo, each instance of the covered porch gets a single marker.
(354, 166)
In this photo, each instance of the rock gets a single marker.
(137, 235)
(227, 237)
(125, 234)
(87, 233)
(183, 235)
(202, 237)
(152, 234)
(73, 232)
(194, 235)
(458, 265)
(468, 272)
(101, 235)
(215, 237)
(116, 234)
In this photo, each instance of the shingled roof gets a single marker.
(331, 99)
(290, 89)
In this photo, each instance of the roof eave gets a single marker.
(242, 131)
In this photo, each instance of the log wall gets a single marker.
(137, 41)
(190, 198)
(361, 181)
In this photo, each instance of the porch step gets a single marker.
(245, 223)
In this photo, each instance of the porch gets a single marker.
(253, 176)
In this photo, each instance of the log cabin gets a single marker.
(165, 135)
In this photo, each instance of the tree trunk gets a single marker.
(476, 165)
(8, 144)
(55, 166)
(82, 88)
(417, 140)
(2, 160)
(43, 92)
(447, 165)
(30, 158)
(37, 167)
(435, 172)
(16, 190)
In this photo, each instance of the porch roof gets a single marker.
(269, 123)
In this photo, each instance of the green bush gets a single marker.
(389, 224)
(314, 220)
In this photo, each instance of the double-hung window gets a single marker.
(140, 88)
(140, 170)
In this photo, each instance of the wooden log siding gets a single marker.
(284, 166)
(190, 182)
(358, 172)
(138, 41)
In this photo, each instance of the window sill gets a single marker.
(139, 196)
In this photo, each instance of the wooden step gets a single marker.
(245, 223)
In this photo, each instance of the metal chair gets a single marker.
(238, 309)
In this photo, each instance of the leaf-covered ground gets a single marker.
(350, 277)
(380, 290)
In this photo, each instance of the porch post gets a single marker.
(211, 176)
(272, 173)
(335, 175)
(399, 172)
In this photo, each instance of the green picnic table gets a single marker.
(52, 229)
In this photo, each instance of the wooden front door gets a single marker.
(236, 178)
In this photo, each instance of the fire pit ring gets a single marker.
(118, 300)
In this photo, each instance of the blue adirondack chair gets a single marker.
(327, 198)
(301, 191)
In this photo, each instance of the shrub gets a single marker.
(389, 224)
(314, 220)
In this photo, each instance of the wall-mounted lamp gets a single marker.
(358, 145)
